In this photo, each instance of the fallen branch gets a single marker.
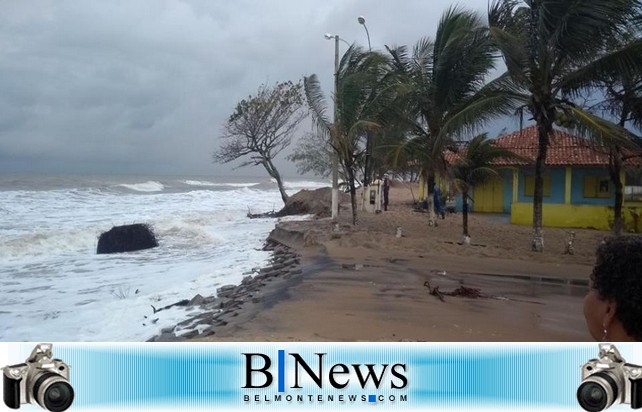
(460, 291)
(467, 292)
(434, 291)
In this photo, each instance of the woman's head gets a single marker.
(613, 306)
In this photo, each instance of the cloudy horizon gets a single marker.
(144, 87)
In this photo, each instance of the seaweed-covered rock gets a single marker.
(126, 238)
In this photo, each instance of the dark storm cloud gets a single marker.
(144, 86)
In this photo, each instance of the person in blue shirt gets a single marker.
(439, 207)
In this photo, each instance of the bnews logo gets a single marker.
(293, 372)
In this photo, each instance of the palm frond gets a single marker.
(599, 130)
(625, 61)
(317, 104)
(494, 100)
(569, 24)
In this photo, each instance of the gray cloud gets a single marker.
(144, 86)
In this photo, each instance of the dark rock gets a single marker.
(225, 290)
(197, 300)
(209, 300)
(126, 238)
(190, 334)
(186, 322)
(166, 337)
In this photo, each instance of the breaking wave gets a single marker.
(149, 186)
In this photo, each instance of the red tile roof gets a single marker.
(563, 150)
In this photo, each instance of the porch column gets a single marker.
(567, 192)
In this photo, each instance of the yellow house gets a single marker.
(578, 192)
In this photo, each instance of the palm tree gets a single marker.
(554, 50)
(442, 91)
(361, 93)
(623, 101)
(473, 166)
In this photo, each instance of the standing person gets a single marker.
(613, 305)
(386, 191)
(439, 208)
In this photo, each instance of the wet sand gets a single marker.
(363, 283)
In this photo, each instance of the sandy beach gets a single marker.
(362, 283)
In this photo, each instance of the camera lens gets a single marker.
(58, 396)
(592, 396)
(597, 392)
(53, 392)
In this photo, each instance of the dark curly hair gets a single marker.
(617, 276)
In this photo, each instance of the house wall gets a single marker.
(507, 174)
(566, 207)
(507, 197)
(558, 185)
(579, 216)
(575, 210)
(577, 189)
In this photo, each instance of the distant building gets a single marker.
(578, 192)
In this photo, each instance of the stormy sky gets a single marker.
(144, 86)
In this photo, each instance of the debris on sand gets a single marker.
(462, 291)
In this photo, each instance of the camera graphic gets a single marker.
(41, 379)
(608, 380)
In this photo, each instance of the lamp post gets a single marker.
(362, 21)
(335, 134)
(366, 171)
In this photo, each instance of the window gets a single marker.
(597, 187)
(633, 186)
(529, 186)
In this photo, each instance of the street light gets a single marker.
(329, 36)
(335, 134)
(362, 21)
(366, 172)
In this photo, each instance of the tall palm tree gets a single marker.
(442, 92)
(474, 165)
(623, 102)
(554, 50)
(361, 93)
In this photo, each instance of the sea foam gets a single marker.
(53, 286)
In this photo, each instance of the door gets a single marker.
(489, 197)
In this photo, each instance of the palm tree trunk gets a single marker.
(544, 126)
(615, 169)
(465, 212)
(432, 220)
(353, 194)
(367, 166)
(544, 129)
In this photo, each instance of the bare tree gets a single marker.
(262, 126)
(312, 154)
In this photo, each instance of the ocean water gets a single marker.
(53, 285)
